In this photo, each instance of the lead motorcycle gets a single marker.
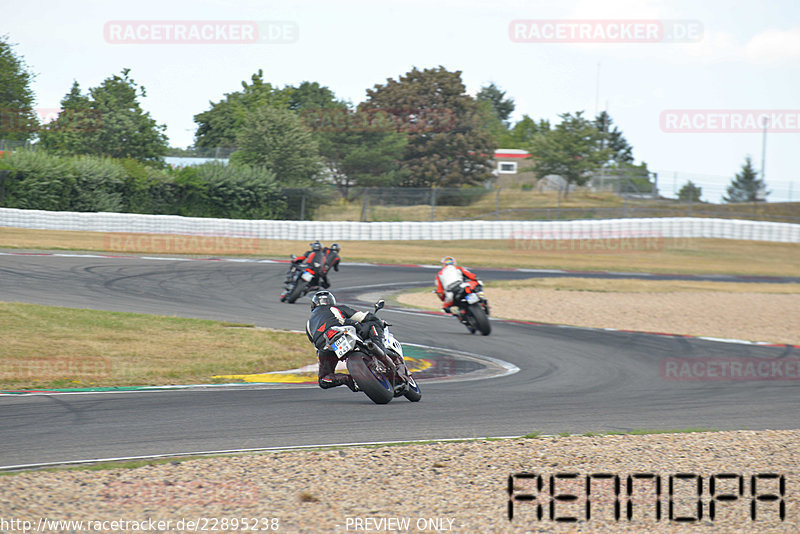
(473, 308)
(301, 279)
(381, 374)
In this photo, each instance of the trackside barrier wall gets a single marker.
(674, 227)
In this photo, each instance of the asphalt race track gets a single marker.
(570, 380)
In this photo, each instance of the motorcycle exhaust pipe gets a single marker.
(378, 352)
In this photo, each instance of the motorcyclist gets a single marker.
(330, 260)
(315, 252)
(449, 275)
(325, 313)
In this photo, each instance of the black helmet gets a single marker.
(316, 246)
(335, 247)
(323, 298)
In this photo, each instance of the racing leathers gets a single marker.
(447, 277)
(327, 259)
(318, 330)
(330, 259)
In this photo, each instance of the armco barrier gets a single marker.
(676, 227)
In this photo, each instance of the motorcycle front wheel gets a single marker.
(373, 383)
(296, 291)
(413, 392)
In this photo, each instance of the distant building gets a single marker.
(513, 167)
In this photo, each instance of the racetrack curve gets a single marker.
(570, 380)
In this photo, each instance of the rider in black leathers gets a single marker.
(325, 313)
(330, 259)
(327, 257)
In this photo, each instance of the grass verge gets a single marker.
(700, 256)
(52, 347)
(645, 432)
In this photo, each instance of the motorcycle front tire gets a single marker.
(413, 392)
(296, 291)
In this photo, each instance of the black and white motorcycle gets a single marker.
(301, 279)
(381, 374)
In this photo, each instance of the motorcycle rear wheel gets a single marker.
(374, 384)
(481, 322)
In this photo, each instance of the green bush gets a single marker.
(98, 184)
(38, 181)
(231, 191)
(145, 190)
(45, 181)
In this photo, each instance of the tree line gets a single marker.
(420, 130)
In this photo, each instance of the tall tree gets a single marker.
(690, 192)
(18, 121)
(219, 126)
(358, 149)
(310, 96)
(362, 158)
(501, 106)
(274, 138)
(496, 110)
(746, 186)
(620, 151)
(448, 142)
(522, 134)
(76, 119)
(109, 121)
(570, 150)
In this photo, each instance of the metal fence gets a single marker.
(482, 203)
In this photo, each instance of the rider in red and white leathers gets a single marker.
(450, 274)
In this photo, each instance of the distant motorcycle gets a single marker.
(473, 308)
(381, 375)
(302, 278)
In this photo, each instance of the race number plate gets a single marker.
(342, 346)
(307, 276)
(472, 298)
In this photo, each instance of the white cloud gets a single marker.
(619, 9)
(768, 47)
(774, 46)
(715, 46)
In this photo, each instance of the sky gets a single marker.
(687, 82)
